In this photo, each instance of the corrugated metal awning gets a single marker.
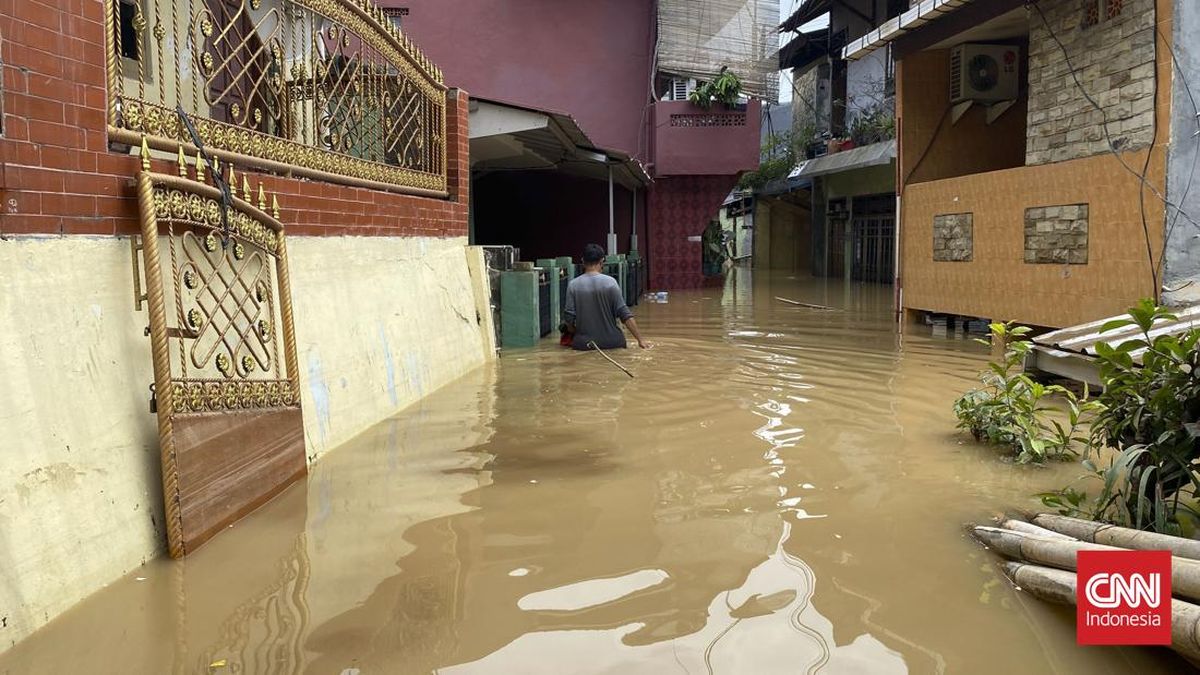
(917, 16)
(1070, 352)
(804, 49)
(875, 154)
(510, 137)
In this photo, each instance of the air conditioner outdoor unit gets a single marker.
(984, 73)
(680, 88)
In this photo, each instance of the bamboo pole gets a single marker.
(1111, 535)
(804, 304)
(1059, 586)
(610, 359)
(1029, 528)
(1061, 553)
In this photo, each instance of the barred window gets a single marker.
(1095, 11)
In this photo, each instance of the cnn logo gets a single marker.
(1123, 597)
(1134, 590)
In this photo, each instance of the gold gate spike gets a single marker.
(275, 207)
(232, 181)
(262, 197)
(182, 162)
(199, 167)
(246, 193)
(145, 154)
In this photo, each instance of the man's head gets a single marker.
(593, 255)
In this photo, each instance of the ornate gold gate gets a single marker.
(226, 384)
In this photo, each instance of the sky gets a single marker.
(786, 7)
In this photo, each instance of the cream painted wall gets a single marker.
(380, 322)
(405, 326)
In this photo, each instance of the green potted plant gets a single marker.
(725, 89)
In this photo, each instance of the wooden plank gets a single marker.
(230, 463)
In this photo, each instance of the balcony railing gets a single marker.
(327, 89)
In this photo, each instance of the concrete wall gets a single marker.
(781, 236)
(690, 141)
(872, 180)
(866, 81)
(1114, 59)
(931, 147)
(1182, 263)
(380, 322)
(588, 59)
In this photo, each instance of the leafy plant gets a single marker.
(1012, 409)
(725, 89)
(1151, 418)
(778, 158)
(873, 124)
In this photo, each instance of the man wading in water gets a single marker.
(595, 304)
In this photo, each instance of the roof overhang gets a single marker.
(949, 16)
(876, 154)
(807, 11)
(804, 49)
(509, 137)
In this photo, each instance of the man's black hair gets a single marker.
(592, 254)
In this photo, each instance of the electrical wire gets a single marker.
(928, 146)
(1108, 142)
(1179, 212)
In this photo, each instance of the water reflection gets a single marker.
(779, 490)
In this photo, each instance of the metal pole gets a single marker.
(612, 232)
(633, 242)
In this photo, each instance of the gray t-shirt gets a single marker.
(594, 305)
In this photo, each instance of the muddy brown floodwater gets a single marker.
(780, 490)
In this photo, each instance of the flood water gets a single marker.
(780, 490)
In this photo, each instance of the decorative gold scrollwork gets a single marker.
(327, 86)
(212, 396)
(223, 364)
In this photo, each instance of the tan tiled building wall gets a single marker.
(998, 284)
(947, 172)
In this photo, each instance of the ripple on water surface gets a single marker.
(780, 489)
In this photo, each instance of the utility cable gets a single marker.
(1180, 213)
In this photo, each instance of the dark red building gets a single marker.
(565, 93)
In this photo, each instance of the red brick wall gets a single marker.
(58, 177)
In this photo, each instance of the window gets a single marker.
(395, 15)
(1095, 11)
(678, 88)
(126, 32)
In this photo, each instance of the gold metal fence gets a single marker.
(328, 89)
